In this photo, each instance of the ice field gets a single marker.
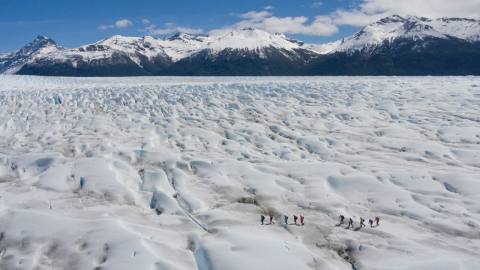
(174, 173)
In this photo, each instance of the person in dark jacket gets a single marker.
(362, 222)
(271, 219)
(262, 219)
(370, 221)
(286, 220)
(350, 223)
(377, 221)
(342, 218)
(295, 218)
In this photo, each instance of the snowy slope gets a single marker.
(324, 48)
(133, 47)
(173, 173)
(182, 45)
(395, 27)
(250, 39)
(12, 62)
(468, 29)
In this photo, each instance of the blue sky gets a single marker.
(73, 23)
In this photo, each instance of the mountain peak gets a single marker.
(250, 29)
(42, 41)
(14, 61)
(41, 37)
(38, 43)
(185, 36)
(391, 19)
(117, 39)
(249, 38)
(249, 32)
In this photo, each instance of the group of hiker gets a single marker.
(376, 220)
(285, 218)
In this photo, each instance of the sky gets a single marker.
(72, 23)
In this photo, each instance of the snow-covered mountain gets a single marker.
(247, 51)
(252, 51)
(396, 27)
(149, 56)
(250, 39)
(116, 55)
(12, 62)
(181, 45)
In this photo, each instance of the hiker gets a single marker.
(350, 223)
(362, 222)
(262, 219)
(271, 219)
(82, 182)
(302, 218)
(295, 219)
(286, 220)
(370, 221)
(377, 221)
(342, 218)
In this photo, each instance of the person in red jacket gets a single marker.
(302, 219)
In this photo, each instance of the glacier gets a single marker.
(174, 173)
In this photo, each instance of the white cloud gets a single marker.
(426, 8)
(268, 7)
(255, 15)
(168, 28)
(319, 26)
(354, 17)
(371, 10)
(123, 23)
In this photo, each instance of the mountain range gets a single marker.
(394, 45)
